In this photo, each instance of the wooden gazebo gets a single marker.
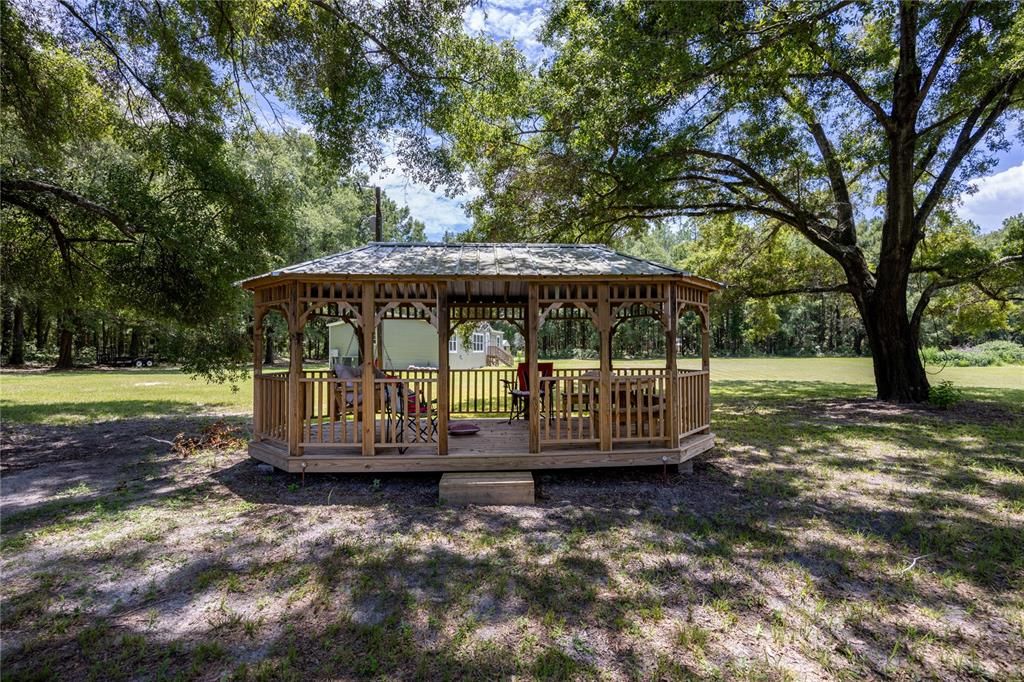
(320, 420)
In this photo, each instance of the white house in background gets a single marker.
(414, 343)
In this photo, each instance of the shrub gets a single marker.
(982, 355)
(945, 395)
(1007, 352)
(584, 354)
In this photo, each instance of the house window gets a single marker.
(453, 345)
(478, 342)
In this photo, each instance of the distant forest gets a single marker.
(327, 216)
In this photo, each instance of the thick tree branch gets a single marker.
(73, 198)
(856, 88)
(973, 278)
(56, 231)
(955, 31)
(825, 289)
(998, 97)
(836, 178)
(803, 222)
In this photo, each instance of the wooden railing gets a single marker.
(404, 411)
(639, 408)
(332, 408)
(496, 355)
(332, 412)
(693, 399)
(270, 408)
(569, 417)
(477, 392)
(484, 392)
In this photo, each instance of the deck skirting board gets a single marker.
(323, 462)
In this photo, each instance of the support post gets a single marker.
(705, 340)
(296, 405)
(533, 381)
(257, 370)
(605, 398)
(368, 314)
(442, 318)
(705, 359)
(378, 235)
(672, 396)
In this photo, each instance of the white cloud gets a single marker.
(438, 212)
(998, 197)
(517, 20)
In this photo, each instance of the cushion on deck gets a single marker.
(462, 428)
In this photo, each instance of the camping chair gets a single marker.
(348, 400)
(413, 414)
(520, 390)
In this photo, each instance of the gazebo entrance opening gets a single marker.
(361, 418)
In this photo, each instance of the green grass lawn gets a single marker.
(79, 396)
(92, 395)
(827, 537)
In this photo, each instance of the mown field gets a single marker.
(88, 395)
(826, 537)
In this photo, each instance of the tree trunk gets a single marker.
(133, 343)
(18, 337)
(8, 325)
(42, 328)
(899, 372)
(65, 358)
(268, 346)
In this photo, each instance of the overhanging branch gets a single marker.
(825, 289)
(973, 278)
(73, 198)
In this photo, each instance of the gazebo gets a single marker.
(361, 419)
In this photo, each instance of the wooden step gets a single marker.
(487, 487)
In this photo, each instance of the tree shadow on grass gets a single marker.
(613, 570)
(427, 592)
(940, 471)
(52, 472)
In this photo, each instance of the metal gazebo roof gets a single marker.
(483, 260)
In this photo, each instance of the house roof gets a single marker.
(484, 260)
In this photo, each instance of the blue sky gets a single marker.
(516, 20)
(998, 195)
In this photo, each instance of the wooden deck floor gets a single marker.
(497, 446)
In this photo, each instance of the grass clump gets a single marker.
(945, 395)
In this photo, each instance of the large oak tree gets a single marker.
(132, 134)
(808, 117)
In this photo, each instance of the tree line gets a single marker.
(319, 212)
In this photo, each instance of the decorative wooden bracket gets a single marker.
(705, 316)
(547, 311)
(701, 310)
(658, 310)
(382, 311)
(557, 305)
(261, 310)
(430, 312)
(345, 310)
